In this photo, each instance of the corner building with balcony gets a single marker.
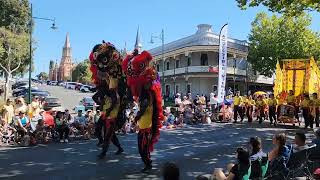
(190, 64)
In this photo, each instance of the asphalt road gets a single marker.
(69, 98)
(196, 150)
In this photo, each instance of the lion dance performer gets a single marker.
(111, 94)
(146, 89)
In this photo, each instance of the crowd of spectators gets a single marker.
(254, 163)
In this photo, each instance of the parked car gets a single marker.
(70, 85)
(88, 103)
(22, 92)
(53, 83)
(18, 84)
(61, 83)
(51, 102)
(40, 94)
(85, 88)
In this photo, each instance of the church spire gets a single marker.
(138, 44)
(67, 42)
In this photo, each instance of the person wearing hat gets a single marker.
(8, 112)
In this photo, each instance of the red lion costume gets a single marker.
(145, 87)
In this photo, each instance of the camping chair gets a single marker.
(298, 164)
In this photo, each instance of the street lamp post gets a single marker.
(30, 44)
(161, 37)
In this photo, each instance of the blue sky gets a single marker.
(90, 22)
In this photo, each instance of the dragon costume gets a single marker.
(145, 86)
(111, 95)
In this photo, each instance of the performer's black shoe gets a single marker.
(120, 151)
(146, 169)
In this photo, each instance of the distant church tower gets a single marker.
(138, 44)
(66, 66)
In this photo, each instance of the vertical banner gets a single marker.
(223, 52)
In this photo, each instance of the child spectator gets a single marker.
(300, 142)
(62, 127)
(23, 123)
(40, 132)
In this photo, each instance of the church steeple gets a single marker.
(138, 44)
(67, 43)
(67, 47)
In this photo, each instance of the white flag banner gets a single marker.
(223, 52)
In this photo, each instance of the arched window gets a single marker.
(204, 59)
(168, 65)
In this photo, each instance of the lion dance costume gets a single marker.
(111, 95)
(146, 88)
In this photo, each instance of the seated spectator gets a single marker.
(188, 114)
(179, 120)
(300, 142)
(170, 171)
(20, 106)
(256, 158)
(40, 132)
(225, 113)
(316, 141)
(23, 123)
(68, 116)
(279, 157)
(238, 170)
(80, 122)
(62, 127)
(168, 118)
(6, 131)
(89, 124)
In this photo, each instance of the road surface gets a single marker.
(195, 149)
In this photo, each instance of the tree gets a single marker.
(275, 38)
(82, 72)
(289, 7)
(14, 14)
(13, 53)
(43, 76)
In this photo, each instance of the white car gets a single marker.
(85, 88)
(70, 85)
(53, 83)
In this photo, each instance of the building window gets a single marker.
(177, 89)
(167, 90)
(158, 67)
(189, 61)
(188, 88)
(204, 59)
(177, 63)
(168, 65)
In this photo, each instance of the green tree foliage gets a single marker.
(275, 38)
(14, 14)
(82, 73)
(43, 76)
(289, 7)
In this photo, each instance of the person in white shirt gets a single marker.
(177, 100)
(300, 142)
(213, 102)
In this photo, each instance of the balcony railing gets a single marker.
(199, 69)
